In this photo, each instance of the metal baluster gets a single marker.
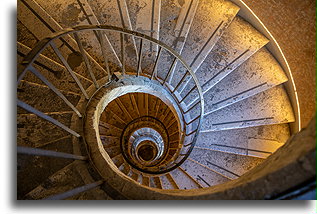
(170, 70)
(102, 46)
(75, 191)
(71, 72)
(46, 117)
(53, 88)
(122, 53)
(154, 72)
(191, 90)
(48, 153)
(180, 82)
(83, 53)
(140, 58)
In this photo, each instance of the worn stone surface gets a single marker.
(204, 175)
(206, 29)
(35, 132)
(237, 141)
(55, 72)
(39, 166)
(116, 13)
(61, 181)
(182, 180)
(273, 106)
(292, 24)
(269, 107)
(229, 165)
(259, 73)
(44, 99)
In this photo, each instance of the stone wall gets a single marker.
(292, 23)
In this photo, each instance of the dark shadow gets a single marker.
(12, 103)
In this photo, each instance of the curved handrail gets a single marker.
(44, 43)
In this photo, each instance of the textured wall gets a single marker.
(292, 23)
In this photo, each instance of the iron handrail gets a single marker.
(48, 41)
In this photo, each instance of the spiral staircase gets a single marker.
(147, 96)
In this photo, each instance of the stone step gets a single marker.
(41, 166)
(257, 74)
(64, 180)
(116, 13)
(211, 20)
(266, 108)
(202, 174)
(183, 180)
(38, 21)
(239, 42)
(168, 182)
(44, 99)
(155, 182)
(54, 71)
(229, 165)
(259, 141)
(36, 132)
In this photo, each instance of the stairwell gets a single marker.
(146, 99)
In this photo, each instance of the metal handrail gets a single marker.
(27, 65)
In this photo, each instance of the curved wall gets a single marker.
(292, 23)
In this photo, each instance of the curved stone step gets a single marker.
(64, 180)
(113, 151)
(229, 165)
(183, 180)
(268, 107)
(155, 182)
(205, 176)
(25, 36)
(36, 132)
(55, 72)
(258, 73)
(199, 26)
(42, 24)
(211, 20)
(44, 99)
(115, 13)
(168, 182)
(125, 168)
(41, 166)
(239, 41)
(145, 18)
(259, 141)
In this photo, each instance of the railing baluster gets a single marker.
(53, 88)
(140, 58)
(190, 177)
(48, 153)
(191, 133)
(170, 70)
(46, 117)
(191, 107)
(188, 144)
(122, 52)
(192, 120)
(75, 191)
(167, 81)
(69, 69)
(154, 72)
(191, 90)
(87, 63)
(102, 46)
(180, 82)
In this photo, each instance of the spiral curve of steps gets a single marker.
(225, 116)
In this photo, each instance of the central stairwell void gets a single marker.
(145, 99)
